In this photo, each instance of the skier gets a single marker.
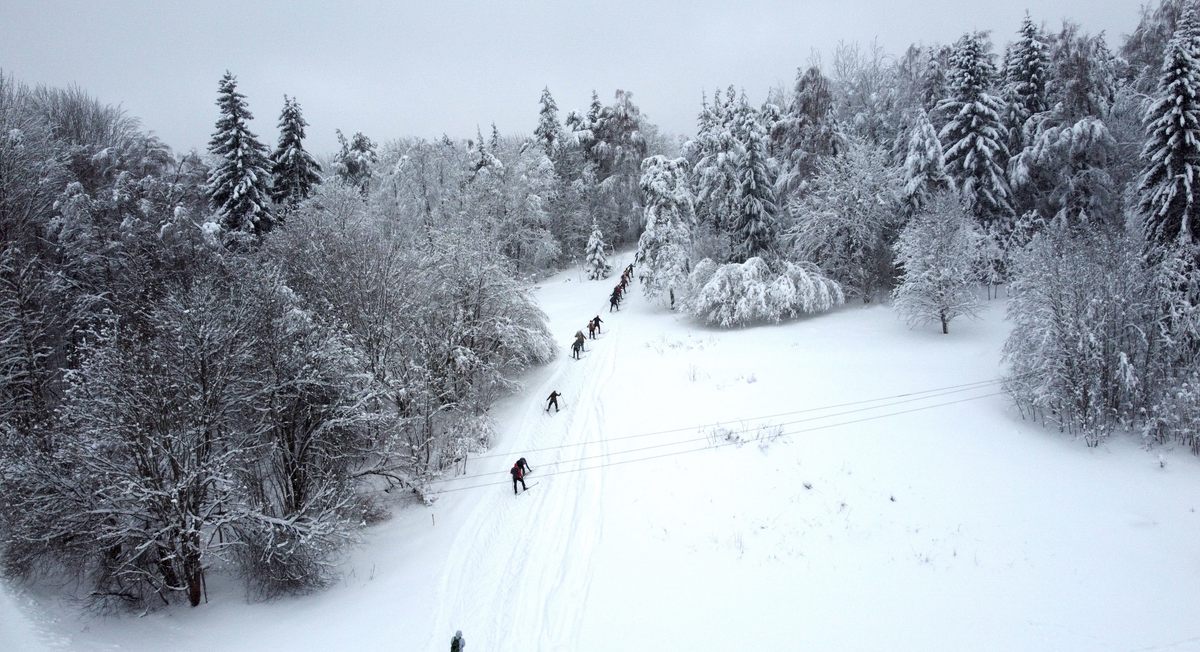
(458, 643)
(518, 475)
(525, 468)
(591, 330)
(614, 303)
(552, 400)
(597, 321)
(578, 346)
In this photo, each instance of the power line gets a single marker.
(744, 429)
(921, 395)
(709, 447)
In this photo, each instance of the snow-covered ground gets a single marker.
(922, 520)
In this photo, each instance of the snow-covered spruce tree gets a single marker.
(1065, 169)
(715, 153)
(753, 225)
(548, 133)
(924, 164)
(617, 150)
(354, 161)
(974, 137)
(848, 219)
(238, 185)
(663, 260)
(1026, 71)
(804, 133)
(294, 171)
(1167, 188)
(1083, 74)
(597, 260)
(936, 253)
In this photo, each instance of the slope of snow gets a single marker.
(923, 521)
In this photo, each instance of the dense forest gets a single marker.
(225, 360)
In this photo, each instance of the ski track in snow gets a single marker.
(541, 586)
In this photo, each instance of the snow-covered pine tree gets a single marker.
(1026, 70)
(293, 169)
(753, 224)
(548, 133)
(1066, 168)
(237, 186)
(1083, 74)
(663, 261)
(935, 80)
(924, 164)
(974, 137)
(1167, 189)
(353, 163)
(597, 260)
(716, 150)
(936, 252)
(804, 133)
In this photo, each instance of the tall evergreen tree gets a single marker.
(548, 133)
(974, 137)
(1167, 188)
(1027, 69)
(804, 133)
(237, 186)
(663, 261)
(924, 164)
(1083, 73)
(294, 170)
(753, 224)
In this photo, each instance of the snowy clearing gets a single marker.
(950, 524)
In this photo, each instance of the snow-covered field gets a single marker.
(920, 521)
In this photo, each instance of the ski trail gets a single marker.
(521, 565)
(565, 562)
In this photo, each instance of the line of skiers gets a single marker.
(519, 469)
(618, 293)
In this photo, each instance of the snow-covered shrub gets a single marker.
(1078, 346)
(936, 251)
(751, 292)
(1176, 416)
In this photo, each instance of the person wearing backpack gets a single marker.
(458, 643)
(518, 475)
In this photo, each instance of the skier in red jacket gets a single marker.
(518, 475)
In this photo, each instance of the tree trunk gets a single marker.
(945, 323)
(193, 570)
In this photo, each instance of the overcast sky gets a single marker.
(396, 68)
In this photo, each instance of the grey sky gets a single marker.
(398, 68)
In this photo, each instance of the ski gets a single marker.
(529, 486)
